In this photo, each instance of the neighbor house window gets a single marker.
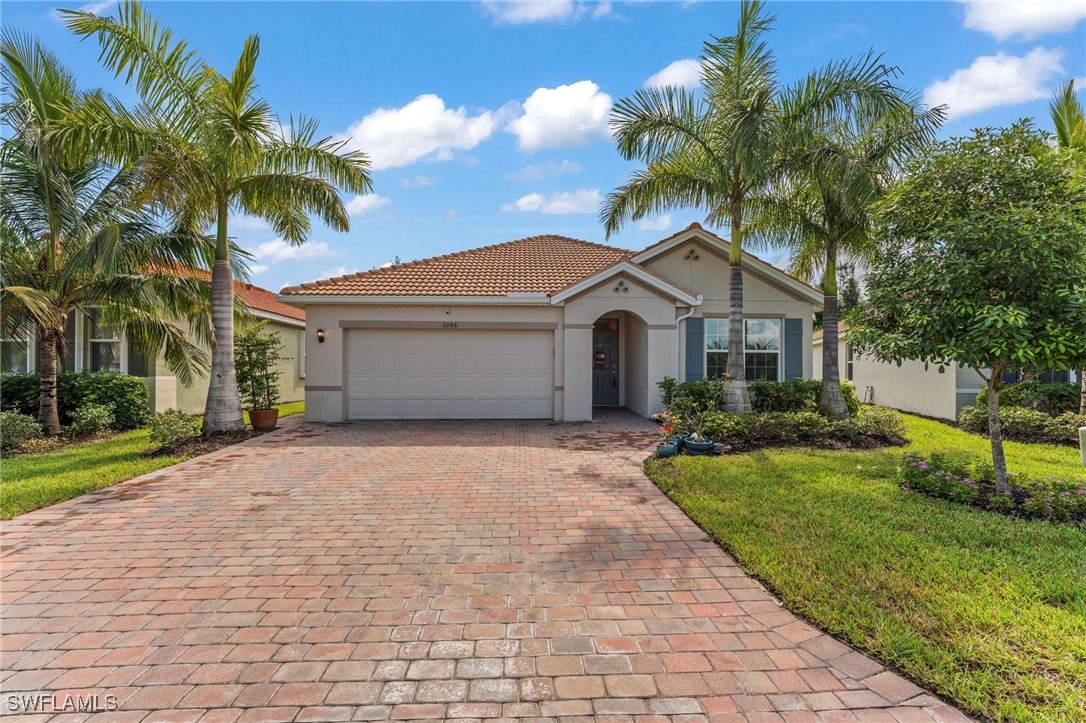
(15, 355)
(761, 342)
(301, 354)
(849, 360)
(103, 348)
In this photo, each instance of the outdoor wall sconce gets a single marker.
(320, 336)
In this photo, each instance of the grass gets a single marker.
(32, 481)
(985, 610)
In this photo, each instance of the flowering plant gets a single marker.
(669, 426)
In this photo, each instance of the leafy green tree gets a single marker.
(984, 264)
(205, 144)
(820, 208)
(73, 236)
(1070, 123)
(717, 148)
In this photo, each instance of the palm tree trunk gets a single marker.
(832, 401)
(223, 409)
(737, 398)
(995, 432)
(48, 415)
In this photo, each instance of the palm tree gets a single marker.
(72, 238)
(717, 149)
(820, 209)
(205, 144)
(1070, 122)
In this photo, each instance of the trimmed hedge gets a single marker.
(125, 395)
(1025, 425)
(871, 427)
(796, 395)
(1052, 399)
(16, 429)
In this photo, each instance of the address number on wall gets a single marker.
(450, 325)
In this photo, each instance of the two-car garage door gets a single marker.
(450, 374)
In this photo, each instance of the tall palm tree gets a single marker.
(1070, 122)
(204, 145)
(74, 239)
(717, 148)
(820, 208)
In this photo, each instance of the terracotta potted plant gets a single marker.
(256, 354)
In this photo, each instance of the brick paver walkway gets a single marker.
(413, 571)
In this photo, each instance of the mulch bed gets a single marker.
(203, 445)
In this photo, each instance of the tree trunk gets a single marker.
(832, 401)
(995, 433)
(47, 395)
(737, 398)
(223, 409)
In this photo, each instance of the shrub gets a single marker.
(1051, 499)
(667, 386)
(91, 418)
(256, 352)
(765, 429)
(796, 395)
(172, 427)
(1025, 425)
(881, 422)
(16, 429)
(1052, 399)
(126, 395)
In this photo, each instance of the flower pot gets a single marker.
(263, 420)
(697, 447)
(667, 450)
(677, 441)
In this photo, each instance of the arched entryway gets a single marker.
(619, 361)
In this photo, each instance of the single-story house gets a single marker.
(545, 327)
(97, 347)
(911, 387)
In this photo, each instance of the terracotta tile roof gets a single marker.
(842, 327)
(538, 264)
(252, 296)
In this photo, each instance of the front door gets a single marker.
(605, 363)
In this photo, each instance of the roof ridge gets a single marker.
(441, 257)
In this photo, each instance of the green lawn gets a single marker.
(32, 481)
(988, 611)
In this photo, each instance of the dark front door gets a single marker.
(605, 363)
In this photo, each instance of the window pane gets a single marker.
(716, 333)
(13, 357)
(105, 356)
(762, 365)
(137, 363)
(100, 330)
(66, 361)
(716, 364)
(763, 334)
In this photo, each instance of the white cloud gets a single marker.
(451, 215)
(562, 117)
(361, 205)
(419, 181)
(540, 171)
(995, 80)
(685, 73)
(1027, 19)
(249, 223)
(423, 128)
(258, 269)
(519, 12)
(660, 223)
(273, 252)
(338, 271)
(583, 201)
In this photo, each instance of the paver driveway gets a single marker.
(414, 570)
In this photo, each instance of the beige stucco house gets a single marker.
(98, 347)
(545, 327)
(911, 387)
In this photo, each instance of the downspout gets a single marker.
(678, 337)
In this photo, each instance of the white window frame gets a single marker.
(81, 361)
(29, 352)
(779, 351)
(301, 354)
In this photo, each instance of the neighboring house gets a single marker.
(911, 387)
(94, 347)
(545, 327)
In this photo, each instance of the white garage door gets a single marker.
(450, 374)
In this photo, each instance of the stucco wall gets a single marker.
(910, 387)
(636, 366)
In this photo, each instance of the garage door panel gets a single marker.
(450, 374)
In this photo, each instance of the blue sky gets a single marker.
(486, 121)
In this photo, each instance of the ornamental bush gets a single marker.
(126, 395)
(1058, 500)
(172, 427)
(91, 418)
(795, 395)
(873, 426)
(1053, 399)
(16, 429)
(1025, 425)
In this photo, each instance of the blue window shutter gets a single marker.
(793, 349)
(695, 348)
